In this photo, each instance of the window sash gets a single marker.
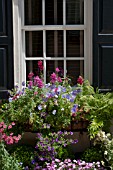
(44, 28)
(19, 39)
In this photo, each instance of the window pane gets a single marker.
(34, 43)
(32, 66)
(74, 11)
(74, 70)
(54, 12)
(51, 66)
(33, 12)
(75, 43)
(54, 43)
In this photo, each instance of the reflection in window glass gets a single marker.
(74, 43)
(32, 66)
(34, 43)
(54, 43)
(74, 12)
(74, 70)
(33, 12)
(54, 12)
(51, 66)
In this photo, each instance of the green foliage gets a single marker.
(53, 145)
(96, 108)
(23, 109)
(7, 162)
(24, 154)
(106, 145)
(93, 154)
(35, 108)
(62, 153)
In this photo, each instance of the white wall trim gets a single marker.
(17, 39)
(88, 40)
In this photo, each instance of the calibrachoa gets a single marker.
(68, 164)
(48, 145)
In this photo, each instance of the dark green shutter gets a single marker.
(103, 44)
(6, 47)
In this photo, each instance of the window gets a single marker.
(58, 33)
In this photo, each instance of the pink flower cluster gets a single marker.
(40, 65)
(55, 78)
(8, 139)
(80, 80)
(38, 82)
(30, 75)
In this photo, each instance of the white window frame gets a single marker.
(19, 39)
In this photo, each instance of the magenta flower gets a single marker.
(57, 70)
(30, 75)
(80, 80)
(30, 84)
(53, 78)
(38, 82)
(40, 65)
(59, 79)
(74, 114)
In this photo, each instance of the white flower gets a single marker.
(105, 153)
(45, 106)
(62, 109)
(56, 96)
(10, 99)
(54, 112)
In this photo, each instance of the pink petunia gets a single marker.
(11, 134)
(10, 126)
(13, 123)
(2, 123)
(4, 126)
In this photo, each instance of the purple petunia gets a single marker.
(74, 108)
(39, 107)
